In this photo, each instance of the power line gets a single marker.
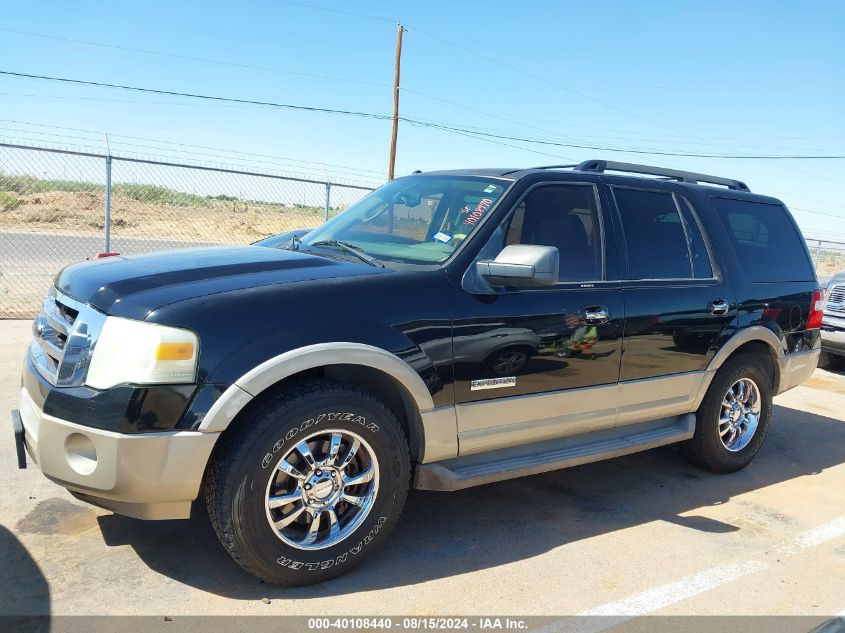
(228, 105)
(830, 215)
(811, 174)
(355, 14)
(472, 135)
(817, 201)
(493, 60)
(213, 158)
(174, 93)
(204, 60)
(252, 155)
(140, 101)
(469, 134)
(192, 58)
(650, 152)
(488, 58)
(108, 100)
(444, 127)
(615, 134)
(540, 78)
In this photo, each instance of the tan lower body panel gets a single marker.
(507, 422)
(441, 435)
(796, 368)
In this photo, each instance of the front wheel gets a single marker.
(734, 415)
(309, 483)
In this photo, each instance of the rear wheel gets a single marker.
(734, 415)
(309, 483)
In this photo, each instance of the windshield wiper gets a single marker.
(352, 250)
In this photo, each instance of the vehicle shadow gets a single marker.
(447, 534)
(24, 592)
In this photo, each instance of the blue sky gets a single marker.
(690, 77)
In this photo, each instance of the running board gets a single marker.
(475, 470)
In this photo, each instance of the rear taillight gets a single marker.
(814, 321)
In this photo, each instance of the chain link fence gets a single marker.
(828, 255)
(58, 207)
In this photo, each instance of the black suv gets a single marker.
(451, 329)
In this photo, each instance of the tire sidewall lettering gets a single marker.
(338, 560)
(321, 419)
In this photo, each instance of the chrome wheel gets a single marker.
(322, 489)
(740, 414)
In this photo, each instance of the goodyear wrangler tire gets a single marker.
(309, 483)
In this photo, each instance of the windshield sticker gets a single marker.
(489, 188)
(478, 213)
(442, 237)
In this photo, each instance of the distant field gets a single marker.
(144, 211)
(829, 263)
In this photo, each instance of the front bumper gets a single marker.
(142, 475)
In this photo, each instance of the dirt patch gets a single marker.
(199, 220)
(828, 263)
(57, 516)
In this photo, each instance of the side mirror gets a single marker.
(522, 265)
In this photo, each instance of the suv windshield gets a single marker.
(417, 219)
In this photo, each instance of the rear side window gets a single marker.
(766, 241)
(655, 235)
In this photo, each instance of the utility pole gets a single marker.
(395, 102)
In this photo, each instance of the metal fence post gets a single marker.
(328, 201)
(108, 204)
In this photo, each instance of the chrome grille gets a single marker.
(64, 335)
(836, 299)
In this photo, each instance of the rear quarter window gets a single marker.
(765, 239)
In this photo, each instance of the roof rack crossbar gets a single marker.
(600, 166)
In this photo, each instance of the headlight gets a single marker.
(136, 352)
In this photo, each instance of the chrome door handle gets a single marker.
(718, 306)
(594, 315)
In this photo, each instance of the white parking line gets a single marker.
(822, 534)
(670, 593)
(651, 600)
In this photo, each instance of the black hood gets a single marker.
(134, 286)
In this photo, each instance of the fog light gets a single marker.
(81, 454)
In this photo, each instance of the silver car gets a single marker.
(833, 324)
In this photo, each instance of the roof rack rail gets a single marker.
(600, 166)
